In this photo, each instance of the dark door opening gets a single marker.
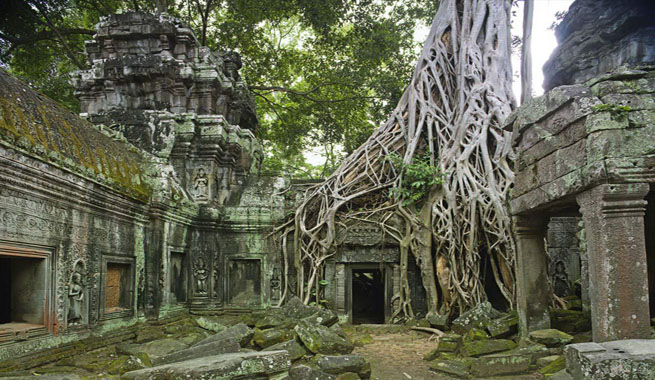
(649, 233)
(367, 296)
(5, 290)
(22, 291)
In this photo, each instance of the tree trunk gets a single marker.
(453, 109)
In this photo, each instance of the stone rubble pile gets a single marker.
(484, 342)
(295, 342)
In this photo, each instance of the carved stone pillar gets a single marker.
(618, 276)
(531, 273)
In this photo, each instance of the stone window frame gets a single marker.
(116, 259)
(226, 284)
(49, 254)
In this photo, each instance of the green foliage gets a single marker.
(324, 73)
(614, 109)
(418, 178)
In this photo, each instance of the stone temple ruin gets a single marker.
(151, 210)
(151, 204)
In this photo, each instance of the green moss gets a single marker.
(614, 109)
(37, 126)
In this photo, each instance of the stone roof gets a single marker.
(40, 127)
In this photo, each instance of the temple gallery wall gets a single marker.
(150, 203)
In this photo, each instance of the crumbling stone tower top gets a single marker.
(143, 65)
(151, 82)
(598, 36)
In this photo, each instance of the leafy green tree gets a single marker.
(324, 73)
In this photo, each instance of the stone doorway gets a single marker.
(25, 292)
(368, 293)
(177, 278)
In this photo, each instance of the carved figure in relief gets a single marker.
(201, 184)
(275, 285)
(75, 297)
(200, 274)
(560, 279)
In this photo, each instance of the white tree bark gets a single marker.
(459, 95)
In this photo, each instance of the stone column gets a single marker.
(531, 273)
(618, 276)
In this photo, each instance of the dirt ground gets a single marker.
(397, 353)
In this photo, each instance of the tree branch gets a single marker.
(60, 37)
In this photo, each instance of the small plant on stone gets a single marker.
(418, 178)
(614, 109)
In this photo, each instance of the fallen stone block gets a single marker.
(218, 347)
(459, 368)
(550, 337)
(343, 363)
(303, 372)
(210, 324)
(475, 334)
(227, 366)
(477, 317)
(267, 338)
(157, 348)
(622, 359)
(542, 362)
(437, 320)
(504, 327)
(485, 347)
(321, 340)
(295, 349)
(556, 365)
(449, 342)
(501, 364)
(241, 332)
(325, 317)
(534, 350)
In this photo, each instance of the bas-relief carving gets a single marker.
(200, 275)
(200, 182)
(275, 285)
(560, 279)
(76, 296)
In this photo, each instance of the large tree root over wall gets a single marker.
(459, 94)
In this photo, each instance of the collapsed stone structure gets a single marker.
(152, 205)
(586, 151)
(157, 208)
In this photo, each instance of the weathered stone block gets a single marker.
(321, 340)
(303, 372)
(504, 327)
(624, 359)
(343, 363)
(550, 337)
(227, 366)
(295, 349)
(501, 364)
(484, 347)
(266, 338)
(477, 317)
(458, 368)
(449, 342)
(217, 347)
(240, 332)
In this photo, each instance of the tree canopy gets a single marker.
(324, 73)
